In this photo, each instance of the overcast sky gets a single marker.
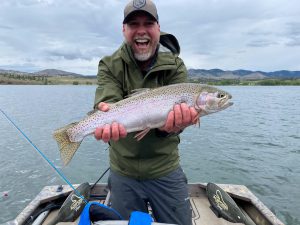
(73, 35)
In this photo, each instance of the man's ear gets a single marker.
(123, 30)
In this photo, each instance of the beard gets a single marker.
(144, 56)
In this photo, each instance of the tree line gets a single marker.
(13, 78)
(264, 82)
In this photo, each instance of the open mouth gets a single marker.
(142, 43)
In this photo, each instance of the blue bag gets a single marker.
(140, 218)
(99, 212)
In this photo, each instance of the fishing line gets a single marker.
(100, 178)
(44, 156)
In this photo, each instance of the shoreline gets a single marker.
(71, 80)
(273, 82)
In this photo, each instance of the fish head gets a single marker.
(211, 100)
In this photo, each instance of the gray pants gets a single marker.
(167, 196)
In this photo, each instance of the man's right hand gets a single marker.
(113, 131)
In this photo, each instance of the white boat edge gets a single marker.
(236, 191)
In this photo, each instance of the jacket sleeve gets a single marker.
(180, 74)
(109, 87)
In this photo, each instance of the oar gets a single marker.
(73, 205)
(225, 206)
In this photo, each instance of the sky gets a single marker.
(74, 35)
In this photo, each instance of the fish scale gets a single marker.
(142, 111)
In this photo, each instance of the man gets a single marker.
(145, 171)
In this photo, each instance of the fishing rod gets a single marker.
(44, 156)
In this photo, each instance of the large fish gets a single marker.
(144, 110)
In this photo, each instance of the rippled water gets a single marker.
(256, 142)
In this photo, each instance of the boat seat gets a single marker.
(201, 213)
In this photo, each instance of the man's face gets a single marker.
(142, 34)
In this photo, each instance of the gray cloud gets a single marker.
(71, 54)
(74, 35)
(5, 27)
(293, 34)
(261, 43)
(294, 42)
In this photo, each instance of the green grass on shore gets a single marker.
(69, 80)
(42, 80)
(264, 82)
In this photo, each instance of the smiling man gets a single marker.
(146, 171)
(142, 33)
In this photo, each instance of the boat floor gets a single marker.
(202, 205)
(202, 214)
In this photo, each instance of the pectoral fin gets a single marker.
(196, 120)
(142, 134)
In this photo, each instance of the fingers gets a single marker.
(106, 133)
(113, 132)
(177, 115)
(122, 131)
(98, 133)
(194, 116)
(102, 106)
(186, 115)
(169, 125)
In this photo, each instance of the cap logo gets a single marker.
(139, 3)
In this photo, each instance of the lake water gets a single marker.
(256, 142)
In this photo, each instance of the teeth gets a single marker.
(141, 41)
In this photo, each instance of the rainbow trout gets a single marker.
(142, 111)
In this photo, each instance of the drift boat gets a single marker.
(44, 208)
(210, 203)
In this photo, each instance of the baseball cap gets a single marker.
(140, 5)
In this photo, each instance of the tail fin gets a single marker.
(66, 147)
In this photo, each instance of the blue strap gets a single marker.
(85, 215)
(140, 218)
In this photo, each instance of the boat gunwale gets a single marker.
(236, 191)
(243, 193)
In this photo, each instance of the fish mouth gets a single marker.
(225, 102)
(228, 103)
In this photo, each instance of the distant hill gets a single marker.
(217, 74)
(54, 72)
(47, 72)
(194, 74)
(13, 72)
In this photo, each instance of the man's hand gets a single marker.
(179, 118)
(113, 131)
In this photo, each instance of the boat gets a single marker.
(203, 211)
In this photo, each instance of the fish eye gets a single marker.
(220, 95)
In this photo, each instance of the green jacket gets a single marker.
(153, 156)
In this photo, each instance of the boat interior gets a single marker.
(202, 211)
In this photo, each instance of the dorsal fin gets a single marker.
(137, 92)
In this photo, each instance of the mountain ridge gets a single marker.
(241, 74)
(46, 72)
(209, 74)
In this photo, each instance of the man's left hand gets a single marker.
(179, 118)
